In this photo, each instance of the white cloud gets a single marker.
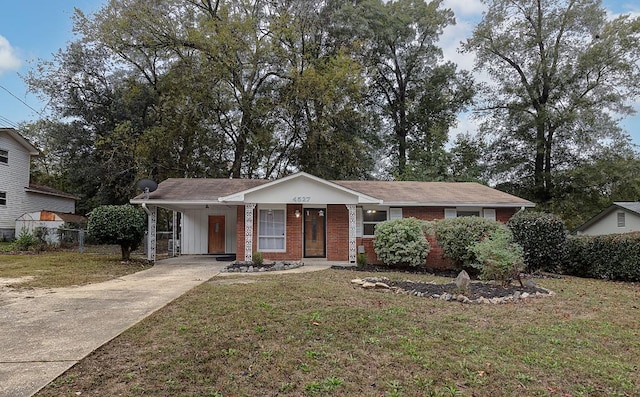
(8, 57)
(466, 8)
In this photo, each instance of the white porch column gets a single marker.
(352, 232)
(248, 231)
(174, 232)
(152, 221)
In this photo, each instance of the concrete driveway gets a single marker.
(44, 332)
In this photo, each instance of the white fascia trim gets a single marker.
(175, 202)
(451, 205)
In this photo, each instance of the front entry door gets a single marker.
(314, 232)
(216, 234)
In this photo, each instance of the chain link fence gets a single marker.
(80, 240)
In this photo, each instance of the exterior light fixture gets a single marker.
(321, 213)
(297, 213)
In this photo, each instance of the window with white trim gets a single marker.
(4, 156)
(370, 218)
(3, 198)
(271, 229)
(621, 220)
(489, 213)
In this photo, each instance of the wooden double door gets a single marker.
(315, 232)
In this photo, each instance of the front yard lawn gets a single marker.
(314, 334)
(63, 269)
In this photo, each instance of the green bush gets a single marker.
(499, 257)
(361, 259)
(118, 224)
(456, 235)
(401, 242)
(610, 257)
(25, 241)
(258, 258)
(542, 236)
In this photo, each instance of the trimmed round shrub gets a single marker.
(401, 242)
(542, 236)
(499, 257)
(118, 224)
(456, 235)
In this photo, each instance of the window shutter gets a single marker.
(450, 213)
(489, 213)
(359, 222)
(395, 213)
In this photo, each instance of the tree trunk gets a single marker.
(126, 252)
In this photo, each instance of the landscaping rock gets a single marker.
(463, 280)
(477, 292)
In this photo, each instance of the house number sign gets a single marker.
(302, 199)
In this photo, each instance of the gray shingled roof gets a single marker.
(175, 189)
(433, 193)
(391, 192)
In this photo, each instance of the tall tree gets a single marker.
(415, 92)
(560, 71)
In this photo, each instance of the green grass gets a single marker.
(62, 269)
(314, 334)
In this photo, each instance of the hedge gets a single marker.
(542, 236)
(611, 257)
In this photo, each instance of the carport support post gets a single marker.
(248, 231)
(152, 223)
(352, 232)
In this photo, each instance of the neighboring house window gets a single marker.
(271, 229)
(3, 198)
(370, 218)
(4, 156)
(620, 219)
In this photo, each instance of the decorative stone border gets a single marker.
(384, 284)
(250, 267)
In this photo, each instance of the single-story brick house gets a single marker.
(302, 216)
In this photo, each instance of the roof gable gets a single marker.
(301, 188)
(630, 206)
(13, 134)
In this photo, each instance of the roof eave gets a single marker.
(453, 204)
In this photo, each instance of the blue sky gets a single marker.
(35, 29)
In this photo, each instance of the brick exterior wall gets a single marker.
(337, 248)
(293, 243)
(435, 259)
(337, 232)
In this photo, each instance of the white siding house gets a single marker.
(17, 195)
(620, 217)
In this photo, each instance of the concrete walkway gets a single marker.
(44, 332)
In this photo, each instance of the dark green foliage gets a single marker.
(118, 224)
(401, 242)
(611, 257)
(456, 235)
(499, 257)
(542, 236)
(25, 241)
